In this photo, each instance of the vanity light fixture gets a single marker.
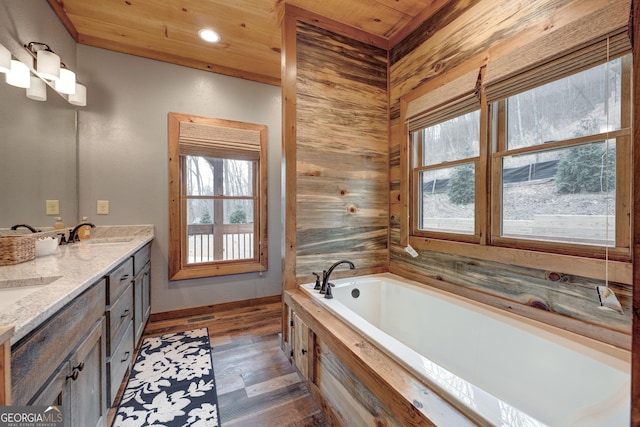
(38, 89)
(5, 60)
(209, 35)
(19, 75)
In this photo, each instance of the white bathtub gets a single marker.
(500, 369)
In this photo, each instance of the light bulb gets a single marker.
(5, 60)
(209, 35)
(67, 82)
(80, 97)
(19, 76)
(48, 65)
(38, 89)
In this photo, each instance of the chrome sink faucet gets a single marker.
(326, 285)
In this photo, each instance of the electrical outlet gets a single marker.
(53, 207)
(103, 207)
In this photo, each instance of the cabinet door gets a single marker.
(300, 345)
(141, 302)
(57, 393)
(88, 380)
(146, 293)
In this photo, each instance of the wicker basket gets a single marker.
(17, 249)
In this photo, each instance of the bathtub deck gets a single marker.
(406, 401)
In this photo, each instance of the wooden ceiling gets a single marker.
(167, 30)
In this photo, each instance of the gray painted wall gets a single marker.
(123, 158)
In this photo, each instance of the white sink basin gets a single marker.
(13, 290)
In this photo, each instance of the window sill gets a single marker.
(196, 271)
(619, 271)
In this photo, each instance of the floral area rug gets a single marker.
(171, 384)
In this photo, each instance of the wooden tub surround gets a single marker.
(6, 332)
(355, 383)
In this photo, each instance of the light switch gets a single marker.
(53, 207)
(103, 207)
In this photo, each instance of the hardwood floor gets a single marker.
(257, 386)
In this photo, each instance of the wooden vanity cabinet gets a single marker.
(127, 312)
(119, 315)
(141, 290)
(62, 361)
(79, 356)
(78, 383)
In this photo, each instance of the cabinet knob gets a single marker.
(74, 374)
(124, 277)
(125, 357)
(125, 313)
(80, 367)
(303, 351)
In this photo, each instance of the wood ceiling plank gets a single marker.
(367, 15)
(264, 61)
(250, 29)
(248, 74)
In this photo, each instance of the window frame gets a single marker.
(178, 267)
(416, 152)
(612, 264)
(621, 251)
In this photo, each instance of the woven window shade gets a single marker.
(587, 42)
(453, 99)
(197, 139)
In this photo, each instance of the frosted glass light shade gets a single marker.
(80, 97)
(38, 89)
(19, 76)
(5, 60)
(67, 82)
(48, 65)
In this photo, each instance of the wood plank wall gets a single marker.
(464, 36)
(339, 151)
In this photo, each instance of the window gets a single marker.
(217, 197)
(534, 158)
(444, 174)
(559, 171)
(446, 159)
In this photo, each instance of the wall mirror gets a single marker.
(38, 161)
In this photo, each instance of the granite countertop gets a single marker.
(56, 279)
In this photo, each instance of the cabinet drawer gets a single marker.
(36, 356)
(141, 258)
(119, 279)
(119, 316)
(119, 363)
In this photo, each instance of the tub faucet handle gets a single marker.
(328, 294)
(317, 286)
(323, 287)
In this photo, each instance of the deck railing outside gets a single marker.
(207, 243)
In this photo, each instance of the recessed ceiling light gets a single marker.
(209, 35)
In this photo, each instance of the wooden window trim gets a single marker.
(178, 269)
